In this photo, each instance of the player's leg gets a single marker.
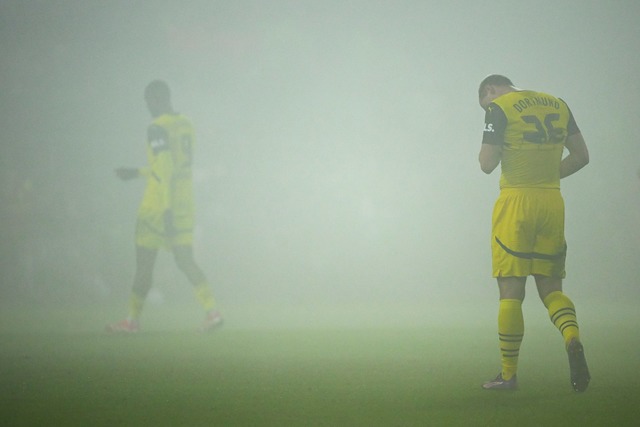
(510, 323)
(185, 260)
(548, 270)
(183, 255)
(562, 313)
(511, 266)
(510, 331)
(142, 281)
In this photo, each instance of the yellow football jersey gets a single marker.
(170, 140)
(532, 128)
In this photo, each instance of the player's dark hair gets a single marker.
(493, 79)
(158, 89)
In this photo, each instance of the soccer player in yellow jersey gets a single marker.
(166, 213)
(526, 132)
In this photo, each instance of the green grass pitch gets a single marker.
(60, 369)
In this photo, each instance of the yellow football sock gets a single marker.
(204, 296)
(510, 333)
(563, 315)
(135, 306)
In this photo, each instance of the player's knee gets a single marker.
(185, 262)
(547, 285)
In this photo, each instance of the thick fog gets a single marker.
(336, 159)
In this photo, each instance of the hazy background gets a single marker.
(337, 144)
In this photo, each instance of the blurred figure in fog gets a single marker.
(527, 133)
(166, 213)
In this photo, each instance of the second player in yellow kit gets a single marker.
(166, 213)
(526, 133)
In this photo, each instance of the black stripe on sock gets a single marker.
(567, 324)
(567, 311)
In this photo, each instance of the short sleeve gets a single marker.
(495, 123)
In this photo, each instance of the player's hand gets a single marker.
(169, 227)
(126, 174)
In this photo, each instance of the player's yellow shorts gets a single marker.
(151, 234)
(528, 233)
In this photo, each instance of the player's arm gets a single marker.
(495, 123)
(489, 157)
(578, 156)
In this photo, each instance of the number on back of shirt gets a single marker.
(545, 132)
